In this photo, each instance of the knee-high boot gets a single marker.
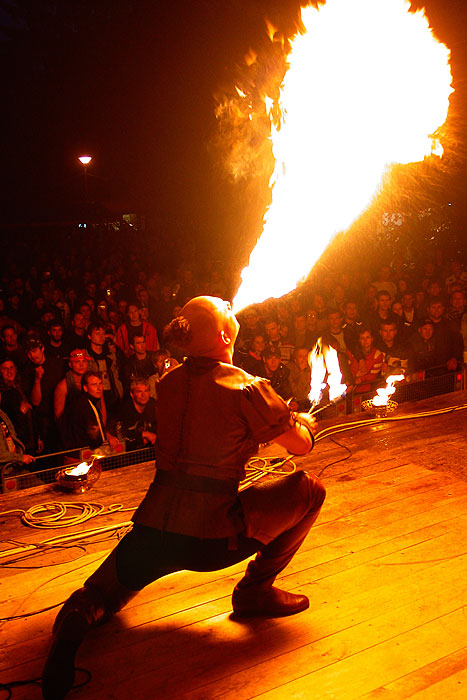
(101, 597)
(255, 594)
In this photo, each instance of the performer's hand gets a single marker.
(28, 459)
(307, 421)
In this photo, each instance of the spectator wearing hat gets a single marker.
(40, 377)
(276, 372)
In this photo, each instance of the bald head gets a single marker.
(210, 328)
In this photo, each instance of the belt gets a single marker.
(193, 482)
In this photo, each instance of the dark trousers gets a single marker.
(278, 515)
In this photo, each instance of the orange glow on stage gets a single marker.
(367, 86)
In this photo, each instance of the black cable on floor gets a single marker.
(337, 461)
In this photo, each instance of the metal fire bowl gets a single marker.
(379, 411)
(78, 483)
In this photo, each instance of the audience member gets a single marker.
(77, 338)
(12, 349)
(162, 363)
(135, 418)
(135, 326)
(39, 378)
(252, 361)
(385, 283)
(300, 378)
(88, 414)
(396, 354)
(100, 361)
(366, 369)
(383, 313)
(57, 345)
(274, 339)
(16, 404)
(276, 372)
(448, 340)
(70, 385)
(351, 325)
(423, 346)
(13, 455)
(140, 364)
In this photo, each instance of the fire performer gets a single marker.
(211, 418)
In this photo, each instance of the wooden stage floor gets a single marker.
(385, 568)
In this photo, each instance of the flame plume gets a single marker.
(325, 372)
(367, 86)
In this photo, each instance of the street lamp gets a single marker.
(85, 160)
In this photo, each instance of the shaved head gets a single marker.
(210, 327)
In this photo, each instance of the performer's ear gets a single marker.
(225, 338)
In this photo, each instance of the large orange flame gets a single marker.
(367, 86)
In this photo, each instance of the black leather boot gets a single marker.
(84, 608)
(266, 602)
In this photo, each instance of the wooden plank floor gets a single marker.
(385, 568)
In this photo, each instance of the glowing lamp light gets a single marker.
(85, 160)
(381, 404)
(80, 478)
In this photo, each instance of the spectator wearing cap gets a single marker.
(276, 372)
(71, 383)
(134, 325)
(40, 377)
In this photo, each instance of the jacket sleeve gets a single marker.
(266, 414)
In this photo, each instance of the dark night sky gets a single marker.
(133, 83)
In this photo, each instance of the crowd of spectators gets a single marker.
(405, 320)
(82, 352)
